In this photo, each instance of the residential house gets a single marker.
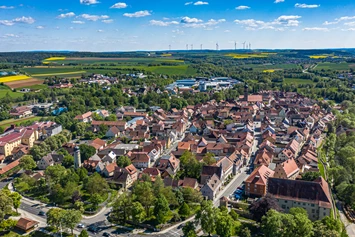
(211, 188)
(49, 160)
(256, 183)
(109, 170)
(121, 125)
(113, 132)
(287, 170)
(125, 176)
(85, 118)
(168, 165)
(21, 112)
(209, 171)
(140, 159)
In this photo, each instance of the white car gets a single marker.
(81, 225)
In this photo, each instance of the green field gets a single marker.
(261, 67)
(297, 81)
(9, 122)
(35, 87)
(335, 66)
(43, 72)
(4, 92)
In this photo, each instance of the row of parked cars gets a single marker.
(238, 193)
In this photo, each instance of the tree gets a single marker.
(274, 224)
(161, 209)
(121, 208)
(234, 215)
(209, 159)
(144, 194)
(95, 184)
(86, 152)
(158, 186)
(138, 212)
(224, 225)
(245, 232)
(189, 230)
(304, 225)
(259, 208)
(95, 200)
(16, 200)
(7, 225)
(6, 204)
(123, 161)
(71, 218)
(207, 216)
(310, 176)
(78, 205)
(191, 195)
(184, 210)
(54, 217)
(80, 128)
(68, 161)
(27, 163)
(83, 233)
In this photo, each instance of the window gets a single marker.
(285, 201)
(312, 210)
(283, 207)
(312, 205)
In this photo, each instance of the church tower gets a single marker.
(77, 158)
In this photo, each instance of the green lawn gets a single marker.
(297, 81)
(8, 122)
(136, 61)
(8, 92)
(35, 87)
(335, 66)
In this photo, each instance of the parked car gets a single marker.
(41, 213)
(237, 196)
(81, 225)
(106, 234)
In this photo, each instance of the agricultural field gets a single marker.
(335, 66)
(297, 81)
(247, 55)
(14, 78)
(115, 61)
(9, 122)
(29, 83)
(269, 71)
(264, 67)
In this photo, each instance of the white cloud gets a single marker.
(7, 7)
(188, 20)
(107, 21)
(178, 32)
(227, 31)
(278, 1)
(89, 2)
(315, 29)
(299, 5)
(199, 3)
(10, 36)
(94, 17)
(137, 14)
(242, 8)
(188, 3)
(349, 29)
(66, 15)
(163, 23)
(78, 22)
(100, 31)
(279, 24)
(119, 5)
(40, 27)
(338, 20)
(352, 23)
(198, 23)
(23, 20)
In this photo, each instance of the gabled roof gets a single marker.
(260, 175)
(25, 223)
(289, 166)
(316, 192)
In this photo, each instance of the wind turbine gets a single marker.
(217, 46)
(192, 47)
(201, 46)
(169, 47)
(244, 45)
(187, 47)
(235, 45)
(249, 46)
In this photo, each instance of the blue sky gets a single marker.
(124, 25)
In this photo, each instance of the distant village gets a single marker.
(274, 135)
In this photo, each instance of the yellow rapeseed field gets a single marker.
(269, 70)
(166, 55)
(58, 74)
(244, 56)
(14, 78)
(318, 56)
(55, 58)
